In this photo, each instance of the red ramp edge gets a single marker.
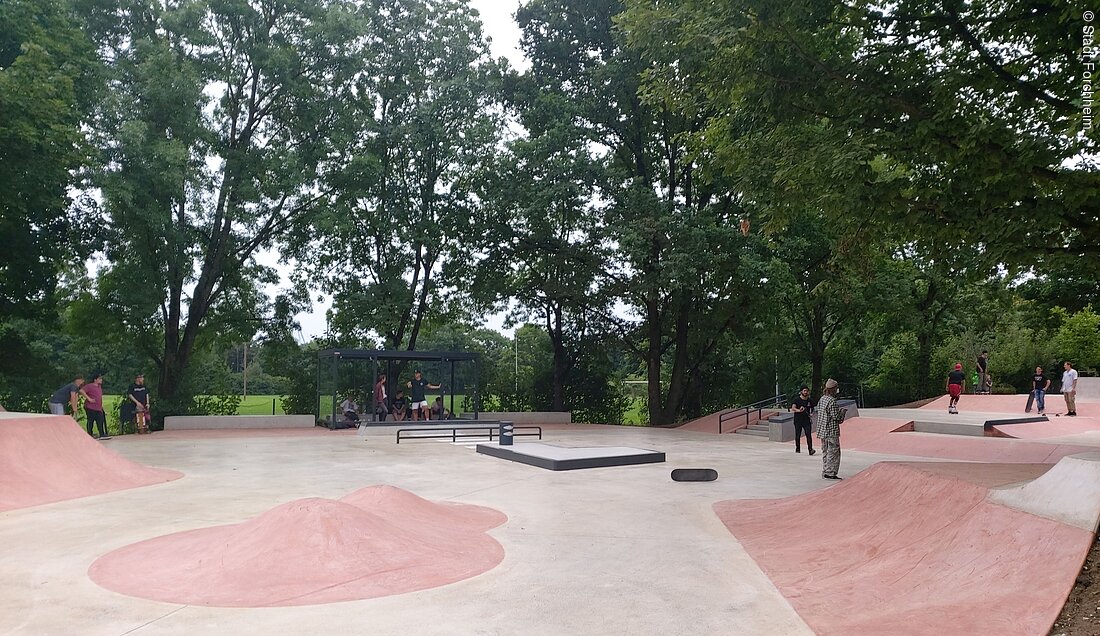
(903, 550)
(49, 458)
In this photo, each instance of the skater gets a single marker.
(1069, 388)
(1039, 385)
(135, 405)
(829, 417)
(803, 406)
(70, 393)
(984, 381)
(956, 383)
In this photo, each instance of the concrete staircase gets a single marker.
(761, 427)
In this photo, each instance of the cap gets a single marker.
(831, 384)
(958, 366)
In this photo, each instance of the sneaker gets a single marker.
(813, 452)
(831, 477)
(1072, 414)
(798, 450)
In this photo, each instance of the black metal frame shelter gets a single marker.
(330, 360)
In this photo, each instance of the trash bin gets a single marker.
(506, 429)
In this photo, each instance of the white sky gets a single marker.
(503, 33)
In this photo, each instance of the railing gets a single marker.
(746, 411)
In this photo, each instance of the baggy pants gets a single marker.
(830, 460)
(1036, 396)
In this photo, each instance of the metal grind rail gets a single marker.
(455, 433)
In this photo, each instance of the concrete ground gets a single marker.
(598, 551)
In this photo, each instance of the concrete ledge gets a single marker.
(536, 417)
(781, 426)
(203, 422)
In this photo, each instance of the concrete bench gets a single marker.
(536, 417)
(204, 422)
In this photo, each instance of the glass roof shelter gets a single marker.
(351, 374)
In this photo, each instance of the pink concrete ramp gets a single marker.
(48, 458)
(895, 437)
(915, 548)
(1013, 404)
(377, 541)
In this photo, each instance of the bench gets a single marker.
(465, 431)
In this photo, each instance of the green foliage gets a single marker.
(1078, 339)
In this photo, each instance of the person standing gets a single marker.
(1039, 385)
(829, 417)
(93, 406)
(137, 404)
(70, 393)
(1069, 388)
(956, 383)
(419, 396)
(802, 406)
(984, 382)
(381, 404)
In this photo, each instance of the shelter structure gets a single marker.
(352, 373)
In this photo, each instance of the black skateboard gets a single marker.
(694, 474)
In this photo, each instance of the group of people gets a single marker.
(1040, 384)
(134, 409)
(829, 416)
(413, 408)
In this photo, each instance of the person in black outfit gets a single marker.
(135, 405)
(956, 383)
(802, 406)
(984, 381)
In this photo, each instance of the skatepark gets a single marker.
(935, 529)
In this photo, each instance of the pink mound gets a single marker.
(378, 541)
(49, 458)
(906, 549)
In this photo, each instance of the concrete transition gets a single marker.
(907, 548)
(553, 457)
(48, 458)
(1088, 389)
(377, 541)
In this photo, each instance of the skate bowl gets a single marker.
(377, 541)
(921, 548)
(49, 458)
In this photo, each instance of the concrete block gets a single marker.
(188, 422)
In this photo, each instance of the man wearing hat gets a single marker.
(829, 417)
(956, 382)
(136, 406)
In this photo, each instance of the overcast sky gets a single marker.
(500, 27)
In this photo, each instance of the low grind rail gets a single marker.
(464, 432)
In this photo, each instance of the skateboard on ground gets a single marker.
(694, 474)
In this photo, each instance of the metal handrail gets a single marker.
(745, 411)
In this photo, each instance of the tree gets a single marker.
(677, 258)
(963, 114)
(217, 137)
(427, 111)
(543, 242)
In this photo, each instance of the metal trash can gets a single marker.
(506, 430)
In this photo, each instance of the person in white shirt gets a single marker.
(1069, 388)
